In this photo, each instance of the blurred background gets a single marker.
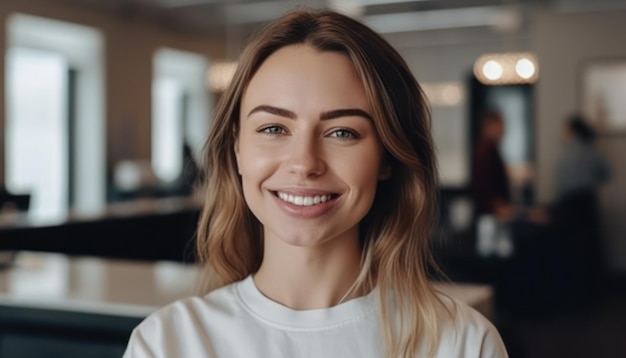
(105, 106)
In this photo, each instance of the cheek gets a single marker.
(255, 165)
(361, 171)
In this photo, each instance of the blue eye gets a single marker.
(344, 134)
(272, 130)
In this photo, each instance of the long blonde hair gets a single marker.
(396, 231)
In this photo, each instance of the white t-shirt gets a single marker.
(239, 321)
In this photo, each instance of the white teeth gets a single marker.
(303, 200)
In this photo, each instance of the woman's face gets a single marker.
(307, 151)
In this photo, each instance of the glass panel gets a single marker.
(167, 136)
(81, 47)
(180, 112)
(36, 133)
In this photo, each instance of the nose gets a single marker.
(305, 158)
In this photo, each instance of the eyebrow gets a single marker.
(337, 113)
(349, 112)
(281, 112)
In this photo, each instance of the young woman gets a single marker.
(321, 196)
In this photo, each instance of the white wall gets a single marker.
(564, 43)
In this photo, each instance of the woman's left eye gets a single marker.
(344, 134)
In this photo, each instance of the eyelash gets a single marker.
(265, 129)
(352, 134)
(271, 131)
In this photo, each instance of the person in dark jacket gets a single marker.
(490, 182)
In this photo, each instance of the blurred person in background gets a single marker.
(490, 181)
(581, 168)
(580, 171)
(500, 229)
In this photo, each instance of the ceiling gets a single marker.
(386, 16)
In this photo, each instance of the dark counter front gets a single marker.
(168, 235)
(33, 332)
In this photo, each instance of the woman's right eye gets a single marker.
(272, 130)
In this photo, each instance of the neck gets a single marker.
(304, 278)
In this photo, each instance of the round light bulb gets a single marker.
(525, 68)
(492, 70)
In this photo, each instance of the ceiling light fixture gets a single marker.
(507, 68)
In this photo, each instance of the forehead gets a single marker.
(307, 57)
(301, 71)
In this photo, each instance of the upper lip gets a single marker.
(304, 191)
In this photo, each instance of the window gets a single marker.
(167, 128)
(55, 149)
(36, 155)
(180, 110)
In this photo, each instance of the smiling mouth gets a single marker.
(303, 200)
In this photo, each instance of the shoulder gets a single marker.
(184, 310)
(191, 317)
(467, 333)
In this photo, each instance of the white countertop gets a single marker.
(129, 288)
(93, 285)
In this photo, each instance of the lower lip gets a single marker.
(305, 212)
